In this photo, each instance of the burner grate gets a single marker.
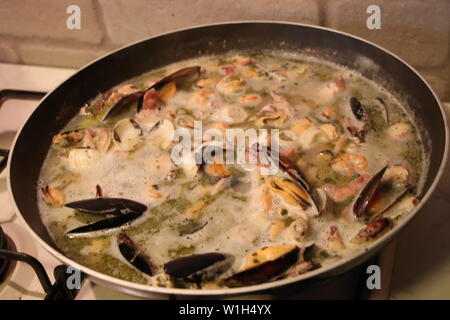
(4, 263)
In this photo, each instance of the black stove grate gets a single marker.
(4, 263)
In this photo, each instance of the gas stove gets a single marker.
(38, 275)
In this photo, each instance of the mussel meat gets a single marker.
(68, 138)
(291, 192)
(277, 261)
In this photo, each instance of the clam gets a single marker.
(321, 199)
(290, 192)
(132, 254)
(334, 240)
(358, 110)
(383, 108)
(127, 134)
(274, 120)
(231, 85)
(325, 156)
(360, 113)
(98, 139)
(269, 73)
(265, 264)
(107, 206)
(184, 121)
(162, 134)
(298, 229)
(230, 114)
(373, 230)
(83, 159)
(199, 267)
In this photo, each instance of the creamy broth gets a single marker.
(336, 128)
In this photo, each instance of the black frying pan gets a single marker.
(59, 106)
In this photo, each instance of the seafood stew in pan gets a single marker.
(337, 162)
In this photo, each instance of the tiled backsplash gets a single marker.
(35, 32)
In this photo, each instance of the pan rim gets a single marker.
(146, 290)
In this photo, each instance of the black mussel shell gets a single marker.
(107, 206)
(367, 193)
(199, 267)
(103, 227)
(358, 110)
(264, 271)
(131, 253)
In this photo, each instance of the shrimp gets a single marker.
(349, 164)
(400, 130)
(340, 194)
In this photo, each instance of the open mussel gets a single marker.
(107, 206)
(291, 192)
(177, 77)
(123, 102)
(265, 264)
(367, 193)
(132, 254)
(138, 95)
(317, 198)
(286, 165)
(199, 267)
(154, 93)
(383, 191)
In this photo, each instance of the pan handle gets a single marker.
(4, 159)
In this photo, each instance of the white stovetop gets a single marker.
(22, 283)
(421, 268)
